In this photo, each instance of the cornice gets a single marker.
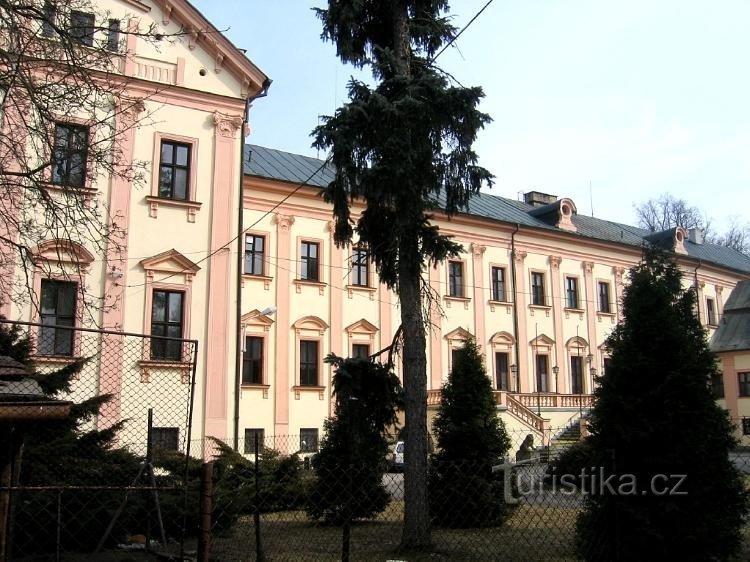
(202, 32)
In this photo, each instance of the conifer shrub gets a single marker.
(471, 439)
(659, 434)
(351, 463)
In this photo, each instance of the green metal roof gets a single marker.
(274, 164)
(733, 333)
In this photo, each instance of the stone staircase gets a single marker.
(568, 435)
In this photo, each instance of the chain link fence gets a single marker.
(96, 438)
(114, 477)
(267, 506)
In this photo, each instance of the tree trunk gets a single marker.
(416, 529)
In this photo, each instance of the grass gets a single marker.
(531, 532)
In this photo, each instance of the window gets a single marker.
(308, 440)
(456, 279)
(607, 363)
(710, 312)
(361, 351)
(174, 170)
(576, 374)
(252, 361)
(251, 435)
(498, 284)
(308, 363)
(82, 27)
(165, 439)
(537, 288)
(309, 266)
(58, 308)
(745, 426)
(360, 267)
(717, 385)
(744, 383)
(542, 377)
(501, 371)
(69, 154)
(604, 297)
(113, 35)
(166, 322)
(571, 292)
(48, 23)
(255, 251)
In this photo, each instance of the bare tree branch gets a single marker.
(64, 112)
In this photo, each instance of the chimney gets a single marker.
(538, 199)
(695, 235)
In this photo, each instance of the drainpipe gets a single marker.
(240, 263)
(695, 285)
(515, 301)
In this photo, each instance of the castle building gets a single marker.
(538, 285)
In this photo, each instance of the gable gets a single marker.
(458, 334)
(199, 34)
(170, 262)
(256, 318)
(361, 326)
(542, 341)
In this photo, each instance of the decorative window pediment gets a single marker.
(542, 341)
(255, 318)
(63, 252)
(577, 342)
(310, 324)
(459, 334)
(361, 327)
(172, 262)
(503, 338)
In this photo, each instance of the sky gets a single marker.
(607, 102)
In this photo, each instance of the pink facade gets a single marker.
(555, 317)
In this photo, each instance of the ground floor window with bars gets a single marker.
(251, 434)
(165, 439)
(308, 440)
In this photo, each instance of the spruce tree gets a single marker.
(68, 453)
(404, 149)
(471, 438)
(674, 493)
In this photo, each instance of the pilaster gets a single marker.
(281, 385)
(221, 312)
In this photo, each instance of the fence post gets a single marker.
(206, 507)
(346, 531)
(256, 507)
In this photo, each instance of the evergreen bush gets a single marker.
(352, 460)
(471, 438)
(654, 417)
